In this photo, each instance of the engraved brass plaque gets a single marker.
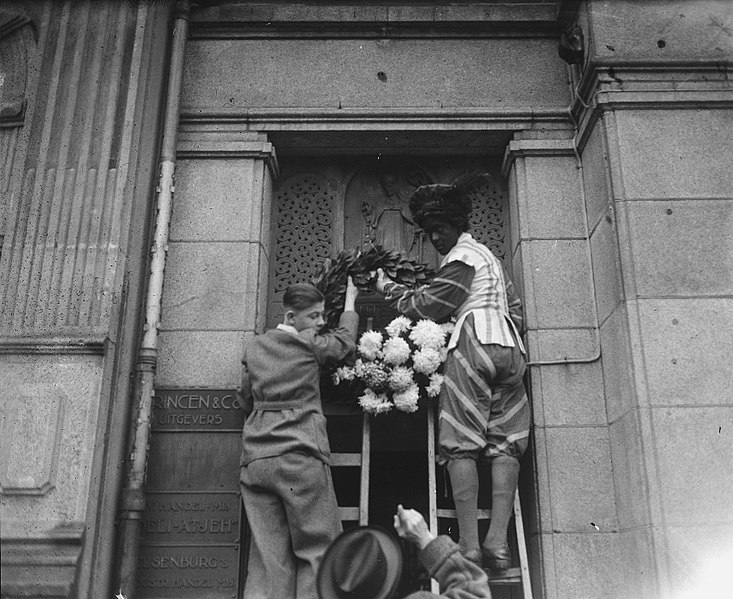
(183, 572)
(193, 522)
(197, 410)
(192, 518)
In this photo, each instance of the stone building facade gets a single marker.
(611, 203)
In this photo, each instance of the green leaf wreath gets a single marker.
(361, 265)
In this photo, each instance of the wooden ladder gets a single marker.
(514, 577)
(359, 513)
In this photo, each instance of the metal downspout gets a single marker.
(133, 494)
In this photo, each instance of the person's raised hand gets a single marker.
(352, 292)
(411, 526)
(381, 281)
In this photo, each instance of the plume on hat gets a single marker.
(440, 200)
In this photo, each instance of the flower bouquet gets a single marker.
(396, 366)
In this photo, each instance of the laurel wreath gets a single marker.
(361, 265)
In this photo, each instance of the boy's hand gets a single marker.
(411, 526)
(381, 281)
(352, 292)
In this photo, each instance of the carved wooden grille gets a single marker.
(487, 218)
(304, 229)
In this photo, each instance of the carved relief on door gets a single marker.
(323, 206)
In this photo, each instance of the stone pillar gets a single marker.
(572, 540)
(654, 102)
(77, 183)
(216, 282)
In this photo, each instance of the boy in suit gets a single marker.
(285, 476)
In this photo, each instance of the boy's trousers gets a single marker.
(293, 517)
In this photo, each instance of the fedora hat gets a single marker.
(362, 563)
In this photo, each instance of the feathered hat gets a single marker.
(445, 201)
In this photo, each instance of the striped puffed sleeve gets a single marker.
(438, 300)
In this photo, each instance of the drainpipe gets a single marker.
(133, 494)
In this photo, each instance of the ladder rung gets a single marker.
(510, 577)
(349, 513)
(482, 514)
(345, 459)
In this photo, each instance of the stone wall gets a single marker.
(79, 155)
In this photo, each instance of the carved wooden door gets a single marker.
(323, 206)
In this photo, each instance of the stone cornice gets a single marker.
(290, 20)
(367, 119)
(214, 140)
(638, 84)
(522, 148)
(41, 344)
(373, 30)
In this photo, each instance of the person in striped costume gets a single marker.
(484, 412)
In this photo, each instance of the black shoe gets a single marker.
(497, 559)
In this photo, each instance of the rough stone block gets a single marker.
(588, 565)
(569, 395)
(46, 456)
(694, 452)
(606, 270)
(617, 364)
(515, 186)
(633, 29)
(630, 481)
(595, 167)
(453, 72)
(561, 283)
(554, 202)
(562, 344)
(200, 359)
(637, 573)
(217, 200)
(681, 247)
(210, 286)
(581, 480)
(687, 347)
(542, 479)
(541, 557)
(261, 297)
(675, 153)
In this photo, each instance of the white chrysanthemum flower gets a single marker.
(396, 351)
(427, 333)
(436, 381)
(426, 360)
(374, 404)
(400, 378)
(406, 401)
(398, 326)
(448, 327)
(343, 373)
(374, 374)
(370, 344)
